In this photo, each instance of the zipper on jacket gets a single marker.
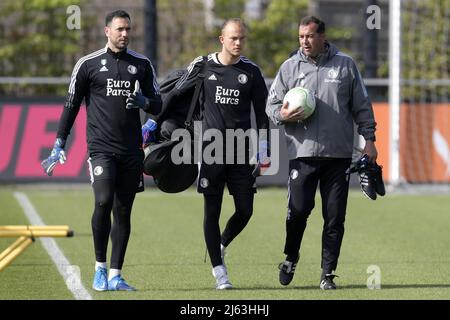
(117, 70)
(316, 111)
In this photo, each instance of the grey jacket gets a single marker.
(341, 101)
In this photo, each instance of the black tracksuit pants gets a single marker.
(305, 174)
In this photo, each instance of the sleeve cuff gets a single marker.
(278, 118)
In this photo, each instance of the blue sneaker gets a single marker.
(119, 284)
(100, 280)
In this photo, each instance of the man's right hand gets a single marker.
(291, 115)
(56, 155)
(371, 151)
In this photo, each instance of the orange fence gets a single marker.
(424, 141)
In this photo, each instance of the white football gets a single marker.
(301, 97)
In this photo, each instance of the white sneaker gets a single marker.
(222, 281)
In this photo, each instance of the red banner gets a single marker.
(27, 135)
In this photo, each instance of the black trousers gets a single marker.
(305, 174)
(243, 203)
(115, 180)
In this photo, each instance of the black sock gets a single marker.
(211, 229)
(324, 273)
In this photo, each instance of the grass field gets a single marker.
(406, 236)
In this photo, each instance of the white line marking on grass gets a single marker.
(70, 274)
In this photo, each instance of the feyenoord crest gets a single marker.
(98, 170)
(333, 76)
(204, 183)
(132, 69)
(294, 174)
(333, 73)
(103, 62)
(242, 78)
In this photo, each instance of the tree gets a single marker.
(425, 48)
(36, 41)
(182, 34)
(272, 38)
(224, 9)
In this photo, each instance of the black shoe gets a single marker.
(378, 176)
(367, 183)
(327, 282)
(370, 177)
(366, 176)
(287, 269)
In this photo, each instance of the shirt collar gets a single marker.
(215, 57)
(116, 55)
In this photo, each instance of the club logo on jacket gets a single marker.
(242, 78)
(104, 68)
(227, 96)
(333, 73)
(132, 69)
(118, 88)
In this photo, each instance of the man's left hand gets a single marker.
(371, 151)
(263, 159)
(137, 99)
(148, 130)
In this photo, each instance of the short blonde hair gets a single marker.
(233, 20)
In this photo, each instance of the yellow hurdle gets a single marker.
(26, 236)
(34, 233)
(9, 228)
(13, 251)
(8, 250)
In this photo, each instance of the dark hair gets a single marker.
(233, 20)
(116, 14)
(308, 19)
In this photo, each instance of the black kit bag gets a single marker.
(168, 177)
(178, 112)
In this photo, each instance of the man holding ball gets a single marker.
(320, 146)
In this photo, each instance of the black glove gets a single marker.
(148, 132)
(262, 158)
(137, 99)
